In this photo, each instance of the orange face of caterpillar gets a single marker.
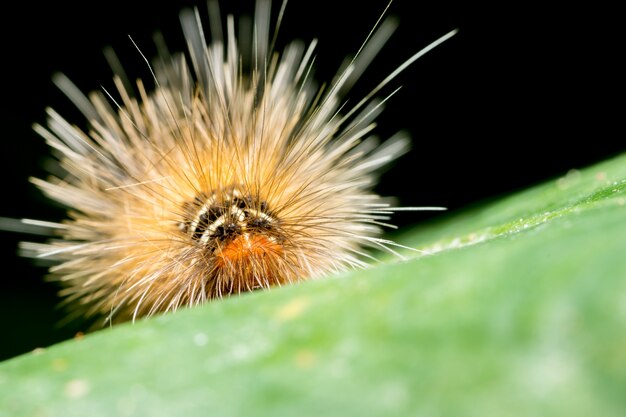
(248, 260)
(244, 247)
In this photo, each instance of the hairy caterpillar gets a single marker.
(235, 173)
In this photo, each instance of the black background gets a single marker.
(522, 94)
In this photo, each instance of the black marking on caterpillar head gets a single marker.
(225, 214)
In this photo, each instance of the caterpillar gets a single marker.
(235, 173)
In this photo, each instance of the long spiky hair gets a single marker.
(234, 174)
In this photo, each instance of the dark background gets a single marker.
(522, 94)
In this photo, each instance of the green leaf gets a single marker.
(518, 309)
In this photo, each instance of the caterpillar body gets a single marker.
(236, 173)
